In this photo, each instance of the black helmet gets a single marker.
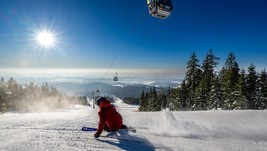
(98, 100)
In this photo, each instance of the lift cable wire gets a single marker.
(133, 52)
(124, 43)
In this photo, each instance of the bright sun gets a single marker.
(45, 39)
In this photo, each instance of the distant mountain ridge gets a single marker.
(118, 89)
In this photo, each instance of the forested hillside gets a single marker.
(205, 87)
(30, 97)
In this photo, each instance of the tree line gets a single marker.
(205, 88)
(30, 97)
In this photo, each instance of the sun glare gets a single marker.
(45, 39)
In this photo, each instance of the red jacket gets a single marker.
(108, 115)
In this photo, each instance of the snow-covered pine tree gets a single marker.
(152, 100)
(240, 99)
(216, 94)
(263, 86)
(168, 97)
(204, 88)
(258, 97)
(173, 99)
(251, 81)
(229, 80)
(183, 97)
(164, 101)
(13, 86)
(192, 78)
(202, 95)
(143, 102)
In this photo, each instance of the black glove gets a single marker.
(96, 135)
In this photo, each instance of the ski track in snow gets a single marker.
(161, 131)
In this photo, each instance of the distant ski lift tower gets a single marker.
(116, 77)
(159, 8)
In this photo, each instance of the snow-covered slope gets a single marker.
(165, 130)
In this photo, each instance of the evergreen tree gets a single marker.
(153, 100)
(147, 101)
(216, 95)
(204, 88)
(192, 78)
(168, 97)
(3, 107)
(258, 95)
(232, 71)
(241, 85)
(240, 100)
(164, 100)
(263, 89)
(45, 89)
(13, 87)
(229, 80)
(251, 83)
(173, 99)
(183, 97)
(143, 102)
(202, 94)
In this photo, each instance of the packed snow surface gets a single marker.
(164, 130)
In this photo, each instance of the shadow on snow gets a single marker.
(127, 142)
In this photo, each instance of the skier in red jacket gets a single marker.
(109, 118)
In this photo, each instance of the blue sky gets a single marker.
(118, 35)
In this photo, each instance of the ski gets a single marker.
(89, 129)
(95, 129)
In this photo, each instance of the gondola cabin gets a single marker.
(160, 8)
(116, 77)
